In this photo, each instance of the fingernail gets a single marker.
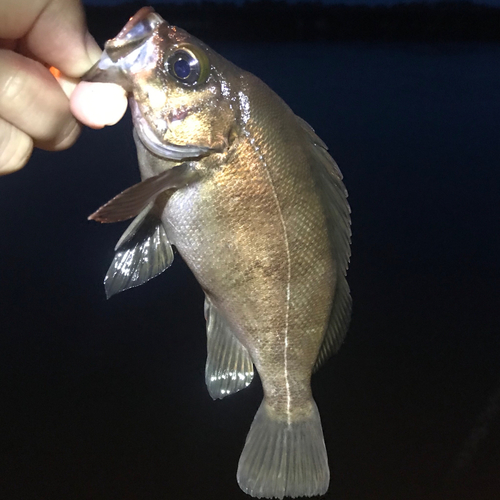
(93, 50)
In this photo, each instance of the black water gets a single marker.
(106, 399)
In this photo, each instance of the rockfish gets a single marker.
(255, 205)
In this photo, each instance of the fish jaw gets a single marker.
(125, 54)
(165, 150)
(139, 28)
(105, 71)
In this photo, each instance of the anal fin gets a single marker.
(229, 367)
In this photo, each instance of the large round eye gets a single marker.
(188, 65)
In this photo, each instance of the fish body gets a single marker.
(251, 199)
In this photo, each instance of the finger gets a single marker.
(98, 104)
(67, 83)
(18, 16)
(32, 100)
(7, 44)
(54, 30)
(15, 148)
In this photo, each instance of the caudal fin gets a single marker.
(284, 459)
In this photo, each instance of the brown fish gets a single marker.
(251, 199)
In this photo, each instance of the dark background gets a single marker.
(106, 399)
(279, 20)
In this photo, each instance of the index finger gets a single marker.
(54, 31)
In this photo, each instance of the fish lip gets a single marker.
(106, 71)
(144, 14)
(118, 57)
(135, 33)
(154, 144)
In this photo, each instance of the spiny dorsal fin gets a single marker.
(142, 253)
(229, 367)
(338, 217)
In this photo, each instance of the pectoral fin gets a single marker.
(142, 253)
(229, 367)
(133, 200)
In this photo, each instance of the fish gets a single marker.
(249, 196)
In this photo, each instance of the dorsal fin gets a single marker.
(338, 216)
(229, 367)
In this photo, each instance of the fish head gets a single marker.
(182, 93)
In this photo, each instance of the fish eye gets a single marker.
(188, 65)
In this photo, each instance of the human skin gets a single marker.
(37, 36)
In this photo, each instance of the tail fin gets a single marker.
(284, 459)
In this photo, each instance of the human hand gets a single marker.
(34, 108)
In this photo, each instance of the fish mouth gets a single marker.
(138, 29)
(157, 146)
(128, 51)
